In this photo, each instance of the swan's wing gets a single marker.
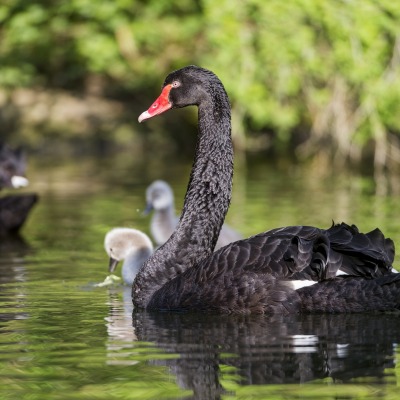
(246, 276)
(296, 252)
(302, 252)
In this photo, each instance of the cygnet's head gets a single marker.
(159, 196)
(123, 243)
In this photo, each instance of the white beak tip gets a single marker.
(143, 116)
(19, 181)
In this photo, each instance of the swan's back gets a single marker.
(255, 275)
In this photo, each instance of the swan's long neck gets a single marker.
(206, 203)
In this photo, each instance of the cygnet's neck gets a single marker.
(163, 224)
(132, 263)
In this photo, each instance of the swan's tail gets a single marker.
(363, 254)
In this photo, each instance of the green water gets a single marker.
(63, 338)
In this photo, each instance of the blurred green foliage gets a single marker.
(308, 74)
(59, 43)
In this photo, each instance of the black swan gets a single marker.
(160, 199)
(131, 246)
(254, 275)
(14, 209)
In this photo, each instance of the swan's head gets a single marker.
(159, 196)
(121, 243)
(187, 86)
(12, 167)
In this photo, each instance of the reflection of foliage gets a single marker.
(331, 68)
(397, 366)
(78, 366)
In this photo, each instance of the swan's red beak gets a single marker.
(159, 106)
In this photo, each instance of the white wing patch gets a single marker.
(299, 284)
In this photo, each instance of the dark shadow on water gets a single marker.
(13, 249)
(14, 243)
(271, 349)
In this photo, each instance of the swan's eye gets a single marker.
(176, 84)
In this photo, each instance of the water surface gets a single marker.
(62, 338)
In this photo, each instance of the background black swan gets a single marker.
(14, 209)
(160, 200)
(255, 275)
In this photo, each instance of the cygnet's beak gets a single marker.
(112, 265)
(148, 209)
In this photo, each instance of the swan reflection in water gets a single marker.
(260, 349)
(121, 334)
